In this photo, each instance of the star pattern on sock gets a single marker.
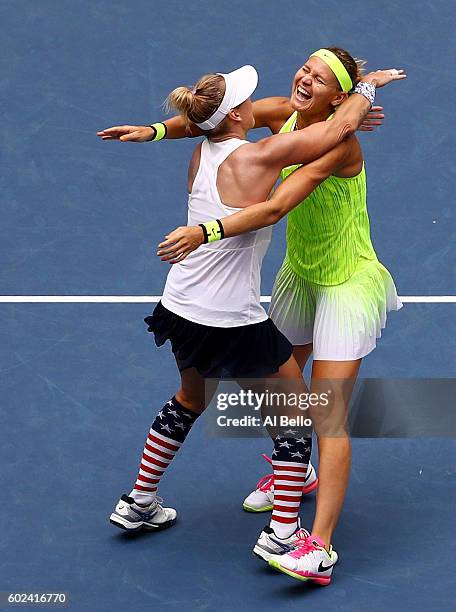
(166, 435)
(292, 448)
(285, 444)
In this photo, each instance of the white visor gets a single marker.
(239, 86)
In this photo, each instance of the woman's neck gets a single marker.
(232, 133)
(306, 119)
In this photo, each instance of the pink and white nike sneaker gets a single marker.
(308, 561)
(262, 499)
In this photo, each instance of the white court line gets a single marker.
(139, 299)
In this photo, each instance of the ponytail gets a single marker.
(198, 104)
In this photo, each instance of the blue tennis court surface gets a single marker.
(80, 383)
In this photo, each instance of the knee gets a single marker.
(192, 401)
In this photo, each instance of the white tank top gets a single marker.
(219, 283)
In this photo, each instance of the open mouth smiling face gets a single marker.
(314, 84)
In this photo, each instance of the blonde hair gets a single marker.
(354, 66)
(198, 103)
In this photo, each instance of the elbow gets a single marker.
(346, 129)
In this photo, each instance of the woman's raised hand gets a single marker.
(380, 78)
(127, 133)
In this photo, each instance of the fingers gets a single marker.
(376, 109)
(180, 257)
(171, 250)
(164, 244)
(171, 238)
(395, 73)
(179, 243)
(176, 254)
(132, 136)
(113, 131)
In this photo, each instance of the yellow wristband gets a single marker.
(160, 131)
(213, 231)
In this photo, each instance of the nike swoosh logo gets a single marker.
(322, 568)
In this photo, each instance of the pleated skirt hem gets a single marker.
(342, 321)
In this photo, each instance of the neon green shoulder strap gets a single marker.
(289, 123)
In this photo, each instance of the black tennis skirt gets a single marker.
(249, 351)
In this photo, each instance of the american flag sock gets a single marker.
(290, 459)
(166, 436)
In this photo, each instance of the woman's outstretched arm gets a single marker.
(269, 113)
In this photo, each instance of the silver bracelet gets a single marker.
(367, 90)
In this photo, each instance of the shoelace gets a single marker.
(265, 483)
(303, 547)
(301, 535)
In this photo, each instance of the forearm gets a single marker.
(287, 196)
(251, 218)
(177, 128)
(350, 115)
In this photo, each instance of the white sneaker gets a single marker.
(308, 561)
(269, 543)
(262, 499)
(132, 517)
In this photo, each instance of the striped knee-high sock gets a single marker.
(290, 459)
(167, 434)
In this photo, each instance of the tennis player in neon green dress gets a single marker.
(331, 295)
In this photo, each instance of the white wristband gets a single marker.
(367, 90)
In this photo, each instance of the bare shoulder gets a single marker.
(272, 112)
(249, 153)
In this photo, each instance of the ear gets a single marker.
(234, 115)
(337, 100)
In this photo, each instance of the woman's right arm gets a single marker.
(175, 128)
(268, 112)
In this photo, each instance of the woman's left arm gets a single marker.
(183, 240)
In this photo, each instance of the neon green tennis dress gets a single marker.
(331, 289)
